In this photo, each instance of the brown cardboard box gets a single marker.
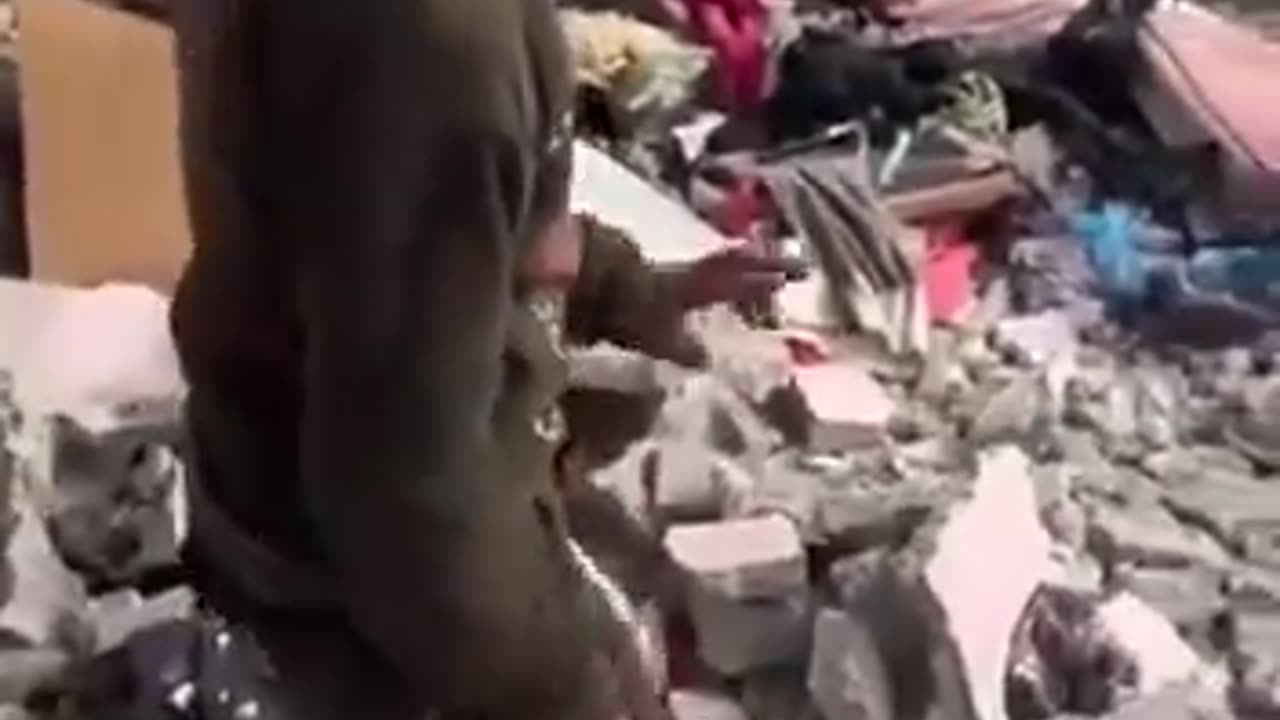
(104, 190)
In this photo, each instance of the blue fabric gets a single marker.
(1111, 246)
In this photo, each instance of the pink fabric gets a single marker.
(735, 32)
(1224, 76)
(740, 208)
(948, 272)
(1002, 23)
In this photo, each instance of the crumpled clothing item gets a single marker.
(948, 273)
(642, 68)
(1110, 245)
(828, 77)
(736, 31)
(1064, 661)
(975, 104)
(861, 248)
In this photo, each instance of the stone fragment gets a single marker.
(1080, 449)
(940, 370)
(705, 410)
(1189, 597)
(1162, 657)
(1160, 398)
(48, 602)
(675, 480)
(754, 364)
(742, 559)
(1240, 513)
(936, 455)
(1254, 643)
(116, 498)
(849, 408)
(705, 705)
(1178, 702)
(123, 613)
(788, 489)
(856, 519)
(736, 636)
(1011, 413)
(1037, 338)
(885, 594)
(847, 677)
(607, 367)
(24, 672)
(1150, 537)
(1182, 466)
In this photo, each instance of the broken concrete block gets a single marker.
(1038, 338)
(705, 410)
(1191, 598)
(704, 705)
(676, 480)
(24, 672)
(752, 363)
(1151, 537)
(742, 559)
(1160, 399)
(1162, 657)
(116, 504)
(1179, 702)
(736, 636)
(118, 616)
(1000, 521)
(857, 519)
(1182, 466)
(788, 489)
(849, 408)
(1240, 513)
(47, 606)
(1011, 413)
(607, 367)
(885, 594)
(847, 677)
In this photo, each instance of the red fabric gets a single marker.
(739, 209)
(806, 351)
(948, 272)
(735, 32)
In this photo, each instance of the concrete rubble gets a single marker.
(1045, 509)
(1048, 537)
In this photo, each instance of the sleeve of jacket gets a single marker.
(621, 298)
(415, 160)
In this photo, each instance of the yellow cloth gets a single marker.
(637, 64)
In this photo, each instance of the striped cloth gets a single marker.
(828, 200)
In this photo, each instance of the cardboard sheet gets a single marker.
(104, 192)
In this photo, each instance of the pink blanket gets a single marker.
(1217, 79)
(999, 23)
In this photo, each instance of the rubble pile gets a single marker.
(1008, 449)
